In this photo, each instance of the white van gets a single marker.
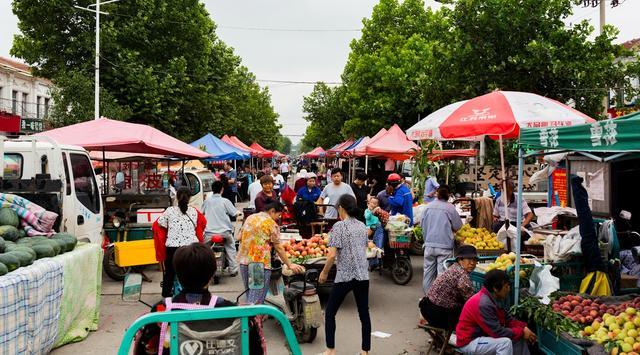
(59, 178)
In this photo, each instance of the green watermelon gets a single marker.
(69, 240)
(25, 249)
(9, 217)
(21, 233)
(24, 241)
(11, 261)
(55, 244)
(43, 251)
(9, 233)
(24, 257)
(3, 245)
(3, 269)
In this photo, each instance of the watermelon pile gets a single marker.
(16, 249)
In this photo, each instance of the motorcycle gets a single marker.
(397, 260)
(298, 300)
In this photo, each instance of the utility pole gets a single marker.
(603, 8)
(96, 103)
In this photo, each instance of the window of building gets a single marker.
(46, 106)
(14, 102)
(24, 105)
(12, 166)
(84, 182)
(38, 102)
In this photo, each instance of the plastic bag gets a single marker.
(511, 234)
(542, 283)
(559, 248)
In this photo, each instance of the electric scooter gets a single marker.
(298, 300)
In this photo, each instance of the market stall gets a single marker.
(219, 149)
(599, 152)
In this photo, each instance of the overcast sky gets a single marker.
(308, 40)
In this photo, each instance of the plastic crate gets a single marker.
(537, 250)
(552, 344)
(570, 274)
(490, 252)
(136, 252)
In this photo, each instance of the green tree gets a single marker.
(326, 113)
(161, 64)
(411, 61)
(284, 145)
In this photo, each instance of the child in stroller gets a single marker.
(195, 266)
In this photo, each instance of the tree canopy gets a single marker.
(411, 60)
(161, 64)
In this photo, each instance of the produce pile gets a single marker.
(300, 251)
(480, 238)
(613, 323)
(505, 260)
(17, 249)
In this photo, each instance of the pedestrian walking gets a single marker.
(347, 248)
(284, 169)
(182, 225)
(439, 221)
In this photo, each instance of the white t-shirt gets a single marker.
(277, 181)
(181, 228)
(334, 193)
(254, 188)
(284, 167)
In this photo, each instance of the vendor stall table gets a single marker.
(53, 302)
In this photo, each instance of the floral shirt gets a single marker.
(452, 288)
(258, 235)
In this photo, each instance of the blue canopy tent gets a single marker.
(219, 149)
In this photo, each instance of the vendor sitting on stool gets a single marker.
(485, 328)
(443, 303)
(512, 208)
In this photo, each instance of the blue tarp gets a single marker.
(219, 149)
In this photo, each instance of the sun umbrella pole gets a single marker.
(504, 187)
(516, 284)
(366, 164)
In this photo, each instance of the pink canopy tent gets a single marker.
(262, 152)
(394, 145)
(234, 141)
(316, 153)
(359, 151)
(118, 136)
(277, 154)
(340, 147)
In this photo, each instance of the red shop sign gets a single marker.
(9, 122)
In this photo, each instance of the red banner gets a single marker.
(9, 122)
(559, 187)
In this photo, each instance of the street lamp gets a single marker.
(96, 108)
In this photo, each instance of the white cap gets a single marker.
(311, 175)
(302, 174)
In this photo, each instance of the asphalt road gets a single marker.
(393, 310)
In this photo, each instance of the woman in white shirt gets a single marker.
(180, 222)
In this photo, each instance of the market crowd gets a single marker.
(358, 211)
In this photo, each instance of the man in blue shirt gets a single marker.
(233, 176)
(218, 210)
(430, 187)
(400, 198)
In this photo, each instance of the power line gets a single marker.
(269, 29)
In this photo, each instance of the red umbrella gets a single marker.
(499, 114)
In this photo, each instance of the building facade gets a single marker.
(24, 95)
